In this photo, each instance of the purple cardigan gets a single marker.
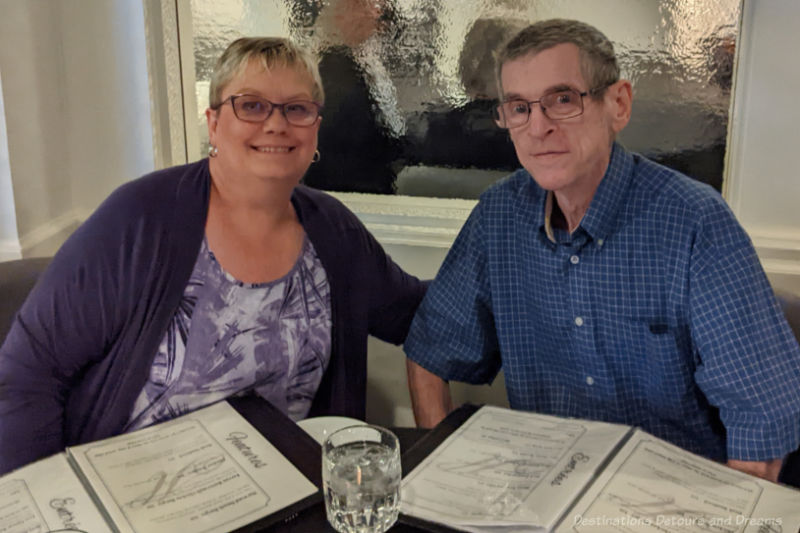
(80, 349)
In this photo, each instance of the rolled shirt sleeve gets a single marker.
(453, 333)
(749, 359)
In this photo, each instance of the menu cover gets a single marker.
(207, 471)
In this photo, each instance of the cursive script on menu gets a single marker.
(67, 517)
(237, 438)
(569, 468)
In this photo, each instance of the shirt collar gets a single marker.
(604, 209)
(529, 199)
(548, 214)
(609, 198)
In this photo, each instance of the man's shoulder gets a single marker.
(668, 188)
(516, 185)
(679, 206)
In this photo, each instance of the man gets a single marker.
(606, 286)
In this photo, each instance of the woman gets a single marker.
(204, 281)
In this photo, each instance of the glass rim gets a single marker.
(382, 431)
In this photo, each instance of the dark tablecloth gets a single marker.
(415, 445)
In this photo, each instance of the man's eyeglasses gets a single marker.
(252, 108)
(558, 105)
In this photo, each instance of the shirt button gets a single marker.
(574, 259)
(578, 321)
(589, 380)
(600, 242)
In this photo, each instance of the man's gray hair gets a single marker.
(271, 52)
(598, 61)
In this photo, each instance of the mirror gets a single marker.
(409, 83)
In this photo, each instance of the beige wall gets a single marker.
(9, 244)
(77, 113)
(388, 402)
(763, 182)
(33, 73)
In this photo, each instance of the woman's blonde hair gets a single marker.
(271, 52)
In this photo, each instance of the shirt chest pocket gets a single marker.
(656, 357)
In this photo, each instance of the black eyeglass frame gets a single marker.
(273, 105)
(498, 112)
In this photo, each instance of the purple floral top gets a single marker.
(229, 337)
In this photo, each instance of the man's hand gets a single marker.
(764, 469)
(430, 395)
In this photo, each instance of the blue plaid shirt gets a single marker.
(654, 312)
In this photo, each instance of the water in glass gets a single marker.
(362, 483)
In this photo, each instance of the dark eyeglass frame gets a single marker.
(499, 115)
(272, 106)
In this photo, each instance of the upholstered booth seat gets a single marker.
(16, 280)
(790, 303)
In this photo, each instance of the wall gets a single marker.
(9, 243)
(110, 103)
(33, 71)
(763, 183)
(388, 402)
(76, 109)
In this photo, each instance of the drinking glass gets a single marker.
(361, 479)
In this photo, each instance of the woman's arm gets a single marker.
(52, 338)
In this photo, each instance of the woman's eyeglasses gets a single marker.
(252, 108)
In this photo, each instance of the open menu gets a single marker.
(47, 496)
(514, 471)
(207, 471)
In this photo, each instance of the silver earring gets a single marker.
(213, 151)
(317, 156)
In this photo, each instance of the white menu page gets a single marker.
(47, 496)
(654, 486)
(509, 470)
(207, 471)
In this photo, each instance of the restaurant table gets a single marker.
(308, 516)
